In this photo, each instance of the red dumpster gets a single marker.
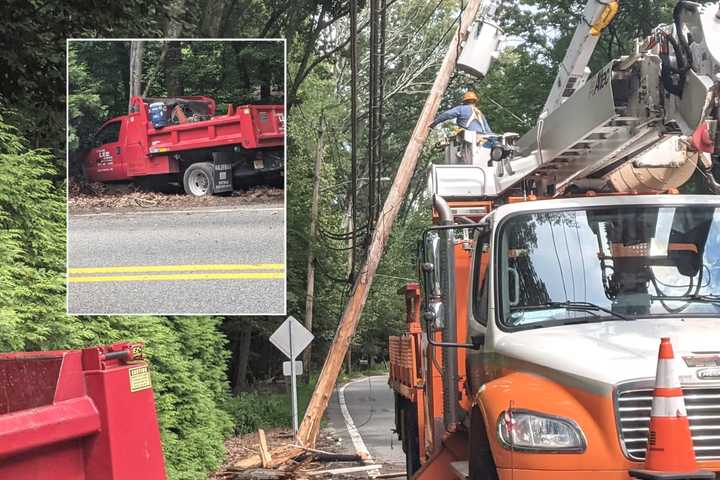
(79, 415)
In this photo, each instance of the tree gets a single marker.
(136, 69)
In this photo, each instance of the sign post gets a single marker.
(292, 338)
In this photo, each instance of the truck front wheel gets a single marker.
(481, 464)
(410, 433)
(199, 179)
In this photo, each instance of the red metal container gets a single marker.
(79, 415)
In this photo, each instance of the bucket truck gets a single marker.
(556, 261)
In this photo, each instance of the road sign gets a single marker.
(287, 368)
(291, 338)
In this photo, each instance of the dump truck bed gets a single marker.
(251, 126)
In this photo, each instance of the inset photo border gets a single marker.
(176, 174)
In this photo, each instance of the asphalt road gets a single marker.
(370, 405)
(195, 261)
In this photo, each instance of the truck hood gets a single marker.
(599, 355)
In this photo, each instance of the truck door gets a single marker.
(478, 370)
(105, 160)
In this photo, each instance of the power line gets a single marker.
(353, 127)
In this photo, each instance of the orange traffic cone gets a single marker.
(670, 453)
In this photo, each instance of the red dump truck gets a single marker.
(180, 140)
(79, 415)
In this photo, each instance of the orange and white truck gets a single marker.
(557, 260)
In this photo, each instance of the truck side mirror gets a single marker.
(478, 341)
(431, 264)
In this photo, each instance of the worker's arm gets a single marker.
(445, 116)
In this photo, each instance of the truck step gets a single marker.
(461, 470)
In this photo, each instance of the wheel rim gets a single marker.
(198, 183)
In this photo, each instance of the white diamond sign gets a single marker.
(291, 338)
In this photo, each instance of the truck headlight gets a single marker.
(533, 431)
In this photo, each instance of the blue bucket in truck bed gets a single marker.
(158, 115)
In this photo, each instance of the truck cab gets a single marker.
(567, 301)
(105, 161)
(536, 327)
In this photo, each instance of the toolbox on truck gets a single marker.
(79, 415)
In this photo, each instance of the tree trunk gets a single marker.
(173, 76)
(136, 57)
(156, 69)
(175, 11)
(264, 91)
(212, 19)
(348, 360)
(243, 355)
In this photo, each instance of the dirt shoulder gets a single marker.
(100, 198)
(243, 446)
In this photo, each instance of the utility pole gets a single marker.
(351, 315)
(310, 295)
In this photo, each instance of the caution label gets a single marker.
(139, 379)
(698, 361)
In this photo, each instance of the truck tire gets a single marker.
(481, 463)
(199, 179)
(411, 444)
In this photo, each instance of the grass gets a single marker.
(271, 407)
(267, 408)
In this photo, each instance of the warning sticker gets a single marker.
(139, 379)
(702, 361)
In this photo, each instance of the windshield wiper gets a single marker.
(579, 306)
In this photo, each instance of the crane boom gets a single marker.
(644, 122)
(573, 71)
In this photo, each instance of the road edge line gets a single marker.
(359, 444)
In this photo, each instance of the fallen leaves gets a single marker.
(98, 197)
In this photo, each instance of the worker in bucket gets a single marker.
(473, 128)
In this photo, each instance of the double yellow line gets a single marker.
(150, 273)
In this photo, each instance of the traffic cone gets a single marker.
(670, 452)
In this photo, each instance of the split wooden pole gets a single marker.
(310, 426)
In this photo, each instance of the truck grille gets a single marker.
(703, 407)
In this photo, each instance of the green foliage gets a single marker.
(85, 108)
(32, 241)
(253, 410)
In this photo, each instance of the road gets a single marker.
(370, 405)
(196, 261)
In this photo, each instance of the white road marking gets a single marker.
(338, 471)
(354, 433)
(198, 210)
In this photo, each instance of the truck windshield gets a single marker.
(608, 264)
